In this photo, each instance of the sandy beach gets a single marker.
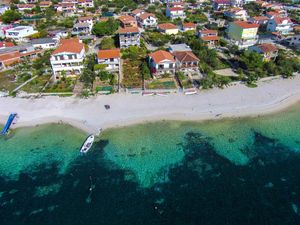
(90, 114)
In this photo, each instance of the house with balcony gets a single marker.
(282, 25)
(86, 19)
(69, 57)
(66, 8)
(243, 33)
(45, 4)
(22, 7)
(146, 20)
(293, 41)
(86, 3)
(175, 13)
(161, 62)
(110, 58)
(127, 21)
(221, 4)
(261, 20)
(20, 33)
(12, 55)
(210, 37)
(267, 50)
(236, 14)
(129, 36)
(186, 61)
(82, 29)
(137, 12)
(168, 28)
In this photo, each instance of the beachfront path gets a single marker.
(90, 114)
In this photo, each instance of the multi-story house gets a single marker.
(236, 14)
(262, 20)
(168, 28)
(111, 58)
(279, 24)
(85, 19)
(81, 28)
(221, 4)
(129, 36)
(267, 50)
(243, 33)
(12, 55)
(127, 21)
(146, 20)
(186, 61)
(3, 29)
(137, 12)
(86, 3)
(161, 62)
(210, 37)
(175, 12)
(22, 7)
(45, 4)
(67, 8)
(68, 57)
(293, 40)
(20, 33)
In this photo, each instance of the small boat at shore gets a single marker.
(87, 144)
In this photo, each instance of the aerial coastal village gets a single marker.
(94, 47)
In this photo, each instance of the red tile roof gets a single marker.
(128, 30)
(260, 18)
(268, 47)
(173, 9)
(109, 54)
(189, 25)
(136, 11)
(280, 20)
(126, 19)
(72, 45)
(246, 24)
(161, 55)
(208, 31)
(210, 38)
(186, 56)
(6, 44)
(167, 26)
(146, 15)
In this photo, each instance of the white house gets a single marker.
(175, 12)
(161, 62)
(236, 14)
(20, 33)
(68, 57)
(86, 3)
(188, 27)
(111, 58)
(4, 8)
(293, 40)
(44, 43)
(281, 25)
(146, 20)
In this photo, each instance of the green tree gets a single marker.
(106, 28)
(145, 71)
(10, 16)
(252, 60)
(107, 43)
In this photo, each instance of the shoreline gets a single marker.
(89, 115)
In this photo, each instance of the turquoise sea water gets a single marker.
(241, 171)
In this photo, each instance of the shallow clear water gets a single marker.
(242, 171)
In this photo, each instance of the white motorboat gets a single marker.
(87, 144)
